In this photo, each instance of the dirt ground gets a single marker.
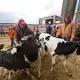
(73, 65)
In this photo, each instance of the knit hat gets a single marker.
(21, 21)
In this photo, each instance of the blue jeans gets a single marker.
(67, 39)
(12, 42)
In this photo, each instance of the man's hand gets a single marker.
(71, 39)
(18, 44)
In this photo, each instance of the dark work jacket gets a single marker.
(21, 32)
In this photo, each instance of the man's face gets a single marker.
(66, 20)
(22, 25)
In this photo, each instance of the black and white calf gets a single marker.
(20, 57)
(58, 47)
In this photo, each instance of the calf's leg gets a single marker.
(1, 71)
(28, 72)
(63, 59)
(53, 62)
(10, 75)
(39, 62)
(65, 66)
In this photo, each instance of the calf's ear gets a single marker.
(45, 48)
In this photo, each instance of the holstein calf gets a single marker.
(20, 57)
(58, 47)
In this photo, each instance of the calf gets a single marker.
(20, 57)
(58, 47)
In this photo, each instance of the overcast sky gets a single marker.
(30, 10)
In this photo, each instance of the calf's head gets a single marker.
(43, 38)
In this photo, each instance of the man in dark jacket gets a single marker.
(22, 30)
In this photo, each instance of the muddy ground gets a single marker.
(73, 64)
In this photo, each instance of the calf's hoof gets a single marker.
(9, 77)
(51, 69)
(69, 74)
(33, 77)
(39, 75)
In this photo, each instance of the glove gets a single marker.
(14, 50)
(25, 38)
